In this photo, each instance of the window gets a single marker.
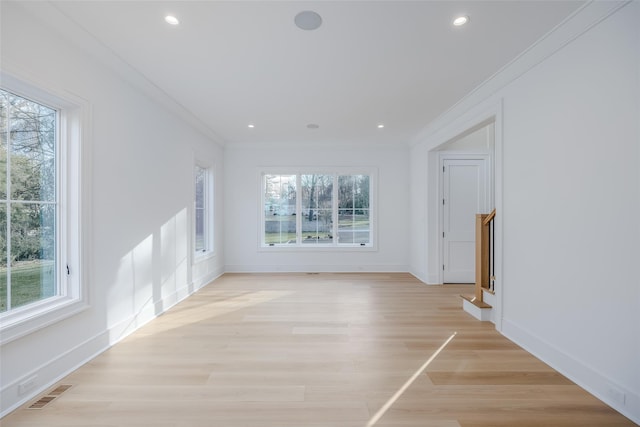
(203, 211)
(280, 209)
(29, 210)
(40, 256)
(328, 209)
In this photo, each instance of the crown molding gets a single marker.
(576, 24)
(82, 39)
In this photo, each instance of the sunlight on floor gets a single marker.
(406, 385)
(186, 315)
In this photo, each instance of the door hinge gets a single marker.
(68, 271)
(442, 267)
(443, 234)
(442, 169)
(443, 202)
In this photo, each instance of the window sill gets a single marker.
(20, 322)
(203, 256)
(318, 248)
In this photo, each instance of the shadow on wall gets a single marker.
(151, 277)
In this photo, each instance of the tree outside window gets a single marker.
(317, 209)
(28, 201)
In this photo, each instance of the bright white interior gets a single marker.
(558, 83)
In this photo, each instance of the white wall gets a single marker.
(570, 174)
(141, 183)
(242, 199)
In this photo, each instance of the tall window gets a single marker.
(354, 217)
(279, 203)
(43, 209)
(317, 210)
(28, 202)
(203, 211)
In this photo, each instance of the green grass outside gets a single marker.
(279, 237)
(26, 286)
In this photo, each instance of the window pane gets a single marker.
(33, 252)
(318, 229)
(280, 209)
(361, 191)
(317, 201)
(200, 221)
(3, 257)
(280, 229)
(354, 225)
(345, 191)
(32, 129)
(200, 232)
(361, 237)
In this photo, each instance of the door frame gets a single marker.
(489, 111)
(488, 197)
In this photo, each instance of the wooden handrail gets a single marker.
(489, 218)
(483, 248)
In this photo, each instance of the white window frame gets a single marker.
(209, 193)
(73, 163)
(372, 172)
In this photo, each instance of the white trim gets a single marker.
(576, 24)
(84, 39)
(484, 113)
(585, 376)
(74, 183)
(314, 268)
(53, 371)
(56, 369)
(459, 155)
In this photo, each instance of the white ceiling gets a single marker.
(231, 63)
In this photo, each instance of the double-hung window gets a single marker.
(40, 266)
(317, 209)
(203, 211)
(29, 211)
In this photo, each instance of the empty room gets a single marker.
(319, 213)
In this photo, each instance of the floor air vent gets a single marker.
(45, 400)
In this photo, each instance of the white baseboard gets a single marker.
(314, 268)
(56, 369)
(620, 398)
(52, 372)
(433, 279)
(204, 281)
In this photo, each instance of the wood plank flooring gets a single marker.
(321, 350)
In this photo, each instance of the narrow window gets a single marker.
(317, 209)
(203, 210)
(280, 196)
(354, 226)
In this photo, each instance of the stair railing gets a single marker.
(485, 260)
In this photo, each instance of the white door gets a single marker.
(464, 194)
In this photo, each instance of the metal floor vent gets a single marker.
(45, 400)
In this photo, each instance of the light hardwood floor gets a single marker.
(318, 350)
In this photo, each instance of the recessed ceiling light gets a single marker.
(171, 20)
(380, 125)
(460, 20)
(308, 20)
(312, 126)
(251, 125)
